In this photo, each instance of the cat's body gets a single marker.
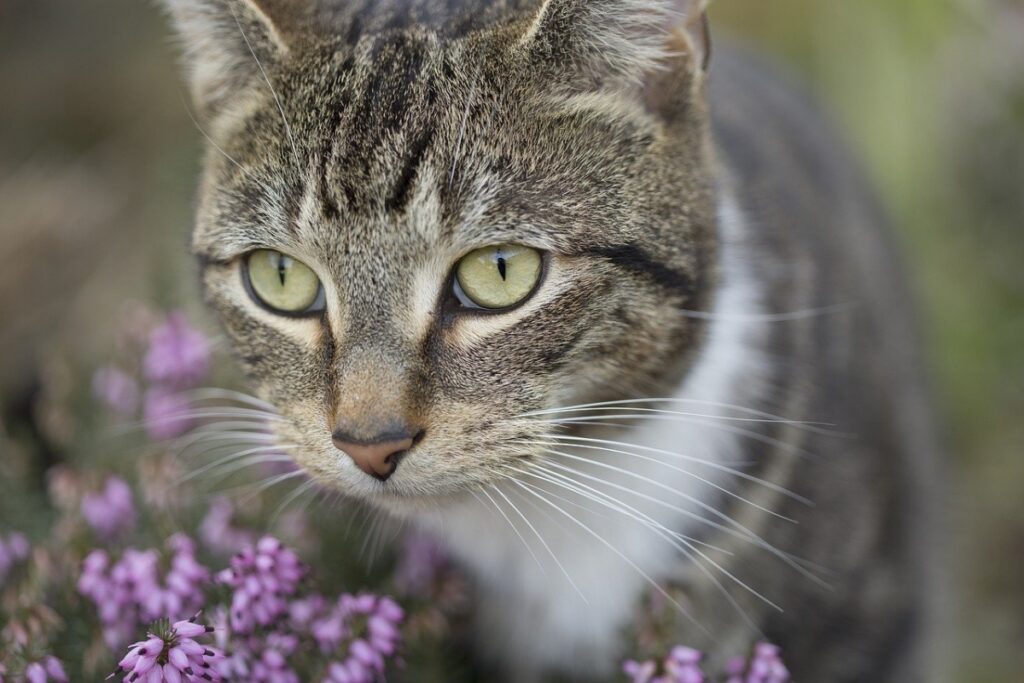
(732, 264)
(814, 326)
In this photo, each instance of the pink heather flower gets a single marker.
(262, 577)
(419, 565)
(639, 672)
(683, 665)
(766, 666)
(130, 592)
(217, 532)
(13, 551)
(363, 660)
(734, 669)
(178, 354)
(171, 654)
(303, 611)
(49, 668)
(111, 512)
(117, 389)
(165, 412)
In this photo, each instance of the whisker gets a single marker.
(663, 531)
(544, 543)
(512, 526)
(211, 393)
(708, 482)
(709, 463)
(266, 484)
(680, 543)
(266, 78)
(532, 490)
(181, 444)
(728, 526)
(739, 431)
(651, 520)
(188, 110)
(671, 399)
(641, 411)
(789, 316)
(299, 491)
(234, 456)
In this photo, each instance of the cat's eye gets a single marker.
(282, 284)
(498, 276)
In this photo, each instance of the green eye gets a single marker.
(282, 284)
(499, 276)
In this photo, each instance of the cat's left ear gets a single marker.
(622, 40)
(227, 43)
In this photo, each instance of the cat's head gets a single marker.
(417, 237)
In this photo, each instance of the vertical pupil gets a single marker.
(501, 266)
(282, 268)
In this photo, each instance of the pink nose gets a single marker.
(377, 457)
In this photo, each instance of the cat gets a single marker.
(604, 308)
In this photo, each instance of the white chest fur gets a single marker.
(560, 575)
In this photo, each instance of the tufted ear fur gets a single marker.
(616, 40)
(226, 44)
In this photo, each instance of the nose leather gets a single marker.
(378, 457)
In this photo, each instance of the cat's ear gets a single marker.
(227, 44)
(618, 39)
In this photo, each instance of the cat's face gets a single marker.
(421, 240)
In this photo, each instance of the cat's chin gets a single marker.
(405, 505)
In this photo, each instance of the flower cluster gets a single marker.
(117, 389)
(129, 593)
(683, 665)
(266, 624)
(218, 532)
(49, 668)
(110, 512)
(765, 666)
(360, 632)
(177, 357)
(13, 551)
(178, 354)
(262, 577)
(421, 562)
(171, 654)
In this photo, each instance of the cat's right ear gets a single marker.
(616, 40)
(227, 44)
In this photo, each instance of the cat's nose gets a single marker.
(377, 456)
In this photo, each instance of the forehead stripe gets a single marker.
(635, 260)
(403, 184)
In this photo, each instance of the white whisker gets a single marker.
(532, 490)
(514, 528)
(709, 463)
(739, 431)
(645, 458)
(211, 393)
(678, 541)
(266, 78)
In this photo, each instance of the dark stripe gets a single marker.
(403, 186)
(634, 259)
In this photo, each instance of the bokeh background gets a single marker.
(98, 160)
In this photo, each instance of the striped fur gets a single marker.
(707, 244)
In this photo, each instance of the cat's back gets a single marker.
(843, 336)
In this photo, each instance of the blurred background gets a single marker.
(99, 157)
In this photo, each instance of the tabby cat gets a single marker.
(607, 313)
